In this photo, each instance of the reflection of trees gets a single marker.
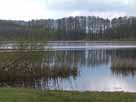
(124, 62)
(74, 58)
(96, 57)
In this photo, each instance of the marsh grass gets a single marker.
(28, 66)
(124, 66)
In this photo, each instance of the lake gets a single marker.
(72, 66)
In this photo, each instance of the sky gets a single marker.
(44, 9)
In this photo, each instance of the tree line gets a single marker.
(70, 28)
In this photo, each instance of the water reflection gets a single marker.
(82, 58)
(91, 70)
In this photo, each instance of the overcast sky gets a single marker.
(43, 9)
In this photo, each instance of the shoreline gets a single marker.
(99, 41)
(70, 45)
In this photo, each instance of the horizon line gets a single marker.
(1, 19)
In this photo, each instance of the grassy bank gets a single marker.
(31, 95)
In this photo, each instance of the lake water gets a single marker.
(98, 68)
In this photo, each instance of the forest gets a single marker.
(70, 28)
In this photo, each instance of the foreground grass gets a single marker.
(31, 95)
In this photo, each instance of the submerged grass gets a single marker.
(25, 68)
(34, 95)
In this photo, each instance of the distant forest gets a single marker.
(71, 28)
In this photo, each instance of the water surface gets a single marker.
(81, 69)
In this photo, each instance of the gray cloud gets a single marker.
(127, 7)
(67, 5)
(132, 7)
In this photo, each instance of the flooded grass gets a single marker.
(24, 68)
(124, 66)
(124, 63)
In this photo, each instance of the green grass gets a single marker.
(7, 57)
(33, 95)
